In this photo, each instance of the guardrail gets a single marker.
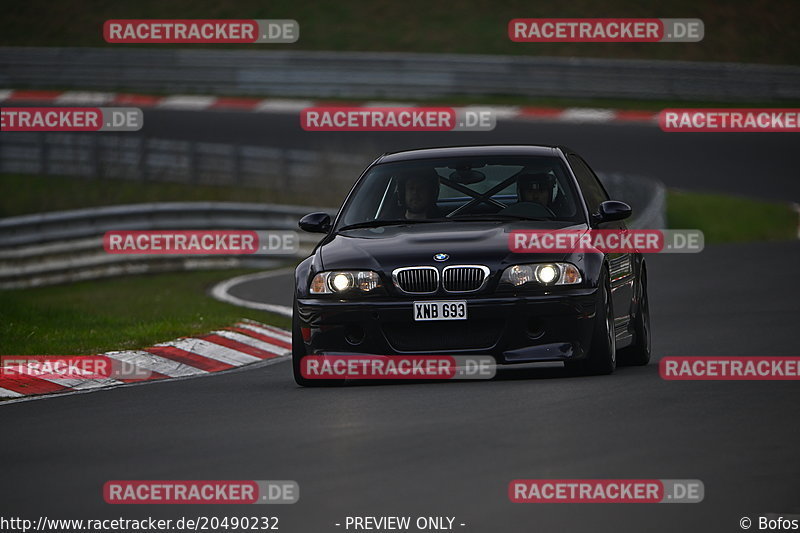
(135, 157)
(390, 75)
(67, 246)
(81, 223)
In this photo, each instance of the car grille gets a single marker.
(464, 278)
(417, 280)
(442, 335)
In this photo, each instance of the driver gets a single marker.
(421, 192)
(536, 188)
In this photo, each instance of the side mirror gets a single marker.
(316, 223)
(613, 210)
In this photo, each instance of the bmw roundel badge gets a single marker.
(441, 257)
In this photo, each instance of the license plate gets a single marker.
(453, 310)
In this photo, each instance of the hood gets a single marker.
(389, 247)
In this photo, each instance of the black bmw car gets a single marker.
(418, 262)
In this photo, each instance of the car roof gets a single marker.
(477, 150)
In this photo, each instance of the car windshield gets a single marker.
(464, 188)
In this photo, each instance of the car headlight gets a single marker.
(542, 274)
(343, 281)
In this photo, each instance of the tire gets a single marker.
(638, 353)
(298, 352)
(602, 357)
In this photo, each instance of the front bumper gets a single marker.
(513, 329)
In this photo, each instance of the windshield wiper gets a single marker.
(399, 222)
(498, 217)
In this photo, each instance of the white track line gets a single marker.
(251, 341)
(278, 106)
(213, 351)
(155, 363)
(187, 101)
(581, 114)
(220, 292)
(499, 112)
(85, 97)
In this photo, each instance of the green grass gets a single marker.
(115, 314)
(723, 218)
(736, 30)
(730, 218)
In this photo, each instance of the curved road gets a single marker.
(451, 448)
(761, 165)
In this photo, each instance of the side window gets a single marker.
(592, 190)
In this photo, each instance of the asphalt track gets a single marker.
(762, 165)
(452, 448)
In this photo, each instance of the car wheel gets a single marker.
(638, 353)
(298, 352)
(602, 358)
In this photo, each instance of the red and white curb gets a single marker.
(276, 105)
(245, 343)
